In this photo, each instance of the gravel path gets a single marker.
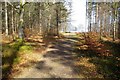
(57, 61)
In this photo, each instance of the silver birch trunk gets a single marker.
(12, 24)
(0, 39)
(6, 19)
(21, 32)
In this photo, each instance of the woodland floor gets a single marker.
(68, 57)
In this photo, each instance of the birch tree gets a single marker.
(6, 19)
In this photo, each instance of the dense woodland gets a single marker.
(23, 19)
(103, 18)
(30, 30)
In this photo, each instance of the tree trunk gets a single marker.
(119, 22)
(0, 24)
(21, 32)
(12, 24)
(114, 30)
(119, 27)
(90, 23)
(114, 25)
(57, 23)
(96, 17)
(6, 19)
(114, 20)
(101, 29)
(15, 23)
(40, 13)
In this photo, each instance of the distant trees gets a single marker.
(103, 18)
(22, 19)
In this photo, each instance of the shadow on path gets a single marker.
(59, 61)
(61, 54)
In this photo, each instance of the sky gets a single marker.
(78, 15)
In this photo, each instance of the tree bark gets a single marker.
(57, 23)
(119, 22)
(119, 27)
(12, 24)
(114, 25)
(6, 19)
(0, 24)
(21, 32)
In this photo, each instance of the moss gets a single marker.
(25, 49)
(10, 56)
(16, 60)
(18, 43)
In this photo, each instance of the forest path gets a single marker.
(59, 61)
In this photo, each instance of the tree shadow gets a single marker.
(37, 45)
(62, 53)
(115, 47)
(42, 67)
(111, 64)
(108, 66)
